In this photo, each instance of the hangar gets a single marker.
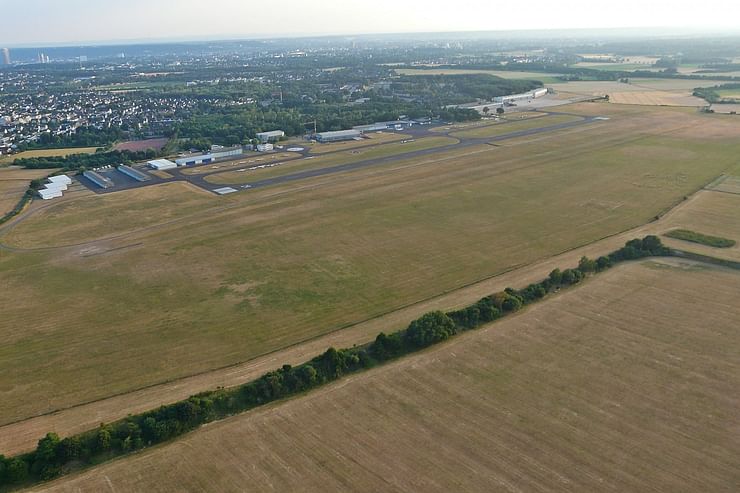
(338, 136)
(161, 164)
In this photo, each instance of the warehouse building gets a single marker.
(272, 135)
(161, 164)
(221, 153)
(98, 179)
(134, 173)
(338, 136)
(56, 186)
(49, 193)
(61, 179)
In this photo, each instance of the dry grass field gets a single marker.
(351, 155)
(184, 282)
(626, 383)
(506, 127)
(47, 153)
(651, 92)
(710, 212)
(249, 159)
(14, 183)
(656, 98)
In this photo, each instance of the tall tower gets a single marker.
(6, 56)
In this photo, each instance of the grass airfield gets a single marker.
(150, 285)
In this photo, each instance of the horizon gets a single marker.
(168, 21)
(585, 33)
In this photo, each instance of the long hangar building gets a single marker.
(338, 135)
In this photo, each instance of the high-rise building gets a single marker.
(6, 56)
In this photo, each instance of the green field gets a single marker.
(702, 239)
(507, 127)
(179, 281)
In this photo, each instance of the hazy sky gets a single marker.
(33, 22)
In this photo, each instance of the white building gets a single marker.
(48, 194)
(265, 147)
(272, 135)
(338, 136)
(56, 186)
(222, 153)
(61, 179)
(161, 164)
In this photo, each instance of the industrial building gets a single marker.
(55, 187)
(61, 179)
(134, 173)
(48, 194)
(98, 179)
(265, 147)
(270, 136)
(537, 93)
(161, 164)
(223, 153)
(338, 135)
(373, 127)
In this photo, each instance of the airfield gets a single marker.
(193, 290)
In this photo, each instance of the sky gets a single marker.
(40, 22)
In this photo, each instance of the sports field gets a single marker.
(184, 281)
(626, 383)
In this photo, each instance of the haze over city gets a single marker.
(38, 22)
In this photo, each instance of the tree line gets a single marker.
(55, 456)
(86, 161)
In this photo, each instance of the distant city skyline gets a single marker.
(40, 22)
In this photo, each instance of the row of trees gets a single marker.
(79, 161)
(55, 456)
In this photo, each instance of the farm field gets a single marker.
(514, 126)
(47, 153)
(653, 92)
(14, 183)
(626, 383)
(545, 78)
(710, 212)
(324, 161)
(187, 282)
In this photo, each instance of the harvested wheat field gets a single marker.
(14, 183)
(627, 383)
(709, 212)
(656, 98)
